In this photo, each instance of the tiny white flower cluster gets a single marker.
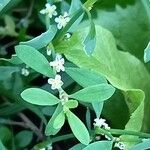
(50, 10)
(58, 65)
(99, 122)
(25, 72)
(120, 145)
(61, 20)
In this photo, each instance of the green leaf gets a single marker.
(42, 40)
(113, 64)
(134, 124)
(50, 130)
(23, 138)
(34, 59)
(78, 128)
(71, 104)
(5, 134)
(77, 147)
(98, 108)
(59, 120)
(90, 40)
(147, 53)
(3, 3)
(39, 97)
(142, 146)
(2, 147)
(104, 145)
(85, 77)
(96, 93)
(123, 25)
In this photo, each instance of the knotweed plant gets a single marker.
(72, 51)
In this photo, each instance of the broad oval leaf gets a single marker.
(59, 120)
(96, 93)
(103, 145)
(85, 77)
(34, 59)
(39, 97)
(78, 128)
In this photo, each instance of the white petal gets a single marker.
(47, 5)
(43, 11)
(57, 19)
(55, 13)
(57, 77)
(59, 26)
(50, 81)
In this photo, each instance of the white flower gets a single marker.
(25, 71)
(56, 83)
(120, 145)
(48, 51)
(50, 10)
(58, 63)
(62, 20)
(99, 122)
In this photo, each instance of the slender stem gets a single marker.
(62, 137)
(121, 132)
(31, 125)
(11, 122)
(126, 132)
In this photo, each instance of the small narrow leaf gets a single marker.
(90, 40)
(43, 39)
(59, 121)
(85, 77)
(103, 145)
(96, 93)
(98, 108)
(147, 53)
(50, 130)
(71, 104)
(39, 97)
(78, 128)
(34, 59)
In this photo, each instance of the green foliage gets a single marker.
(50, 130)
(105, 145)
(59, 120)
(32, 57)
(78, 128)
(96, 93)
(101, 45)
(144, 145)
(39, 97)
(42, 40)
(81, 76)
(23, 138)
(147, 53)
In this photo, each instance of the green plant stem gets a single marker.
(62, 137)
(121, 132)
(126, 132)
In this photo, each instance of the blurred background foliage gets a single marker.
(128, 21)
